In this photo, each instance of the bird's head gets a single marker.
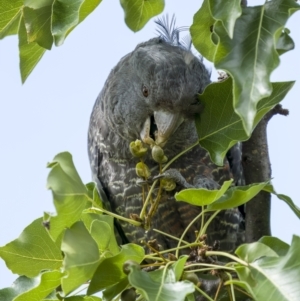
(170, 79)
(151, 94)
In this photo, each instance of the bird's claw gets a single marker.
(142, 182)
(172, 176)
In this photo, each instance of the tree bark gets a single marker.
(257, 168)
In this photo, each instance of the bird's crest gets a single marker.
(171, 34)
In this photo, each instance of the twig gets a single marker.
(130, 221)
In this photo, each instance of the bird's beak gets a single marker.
(166, 124)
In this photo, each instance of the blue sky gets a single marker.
(50, 114)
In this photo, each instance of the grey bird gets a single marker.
(152, 95)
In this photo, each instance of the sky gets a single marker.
(50, 114)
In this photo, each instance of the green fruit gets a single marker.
(142, 170)
(128, 264)
(137, 149)
(158, 154)
(168, 184)
(128, 295)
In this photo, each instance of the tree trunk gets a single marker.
(257, 168)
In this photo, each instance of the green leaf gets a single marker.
(32, 252)
(138, 13)
(78, 246)
(285, 198)
(20, 285)
(115, 290)
(178, 267)
(219, 127)
(201, 32)
(275, 278)
(10, 14)
(290, 203)
(113, 247)
(82, 298)
(252, 48)
(164, 288)
(100, 231)
(253, 251)
(67, 14)
(190, 297)
(38, 25)
(81, 256)
(277, 245)
(94, 195)
(202, 196)
(69, 193)
(236, 196)
(13, 26)
(279, 91)
(110, 270)
(48, 281)
(51, 297)
(227, 12)
(36, 4)
(285, 43)
(30, 53)
(244, 285)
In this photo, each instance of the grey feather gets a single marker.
(172, 76)
(169, 32)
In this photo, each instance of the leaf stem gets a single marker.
(153, 208)
(211, 266)
(185, 231)
(240, 290)
(153, 258)
(231, 287)
(202, 223)
(130, 221)
(179, 155)
(204, 228)
(203, 293)
(171, 236)
(156, 252)
(143, 211)
(219, 253)
(163, 279)
(179, 248)
(218, 290)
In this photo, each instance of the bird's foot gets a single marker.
(173, 175)
(200, 181)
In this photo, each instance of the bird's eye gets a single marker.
(145, 91)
